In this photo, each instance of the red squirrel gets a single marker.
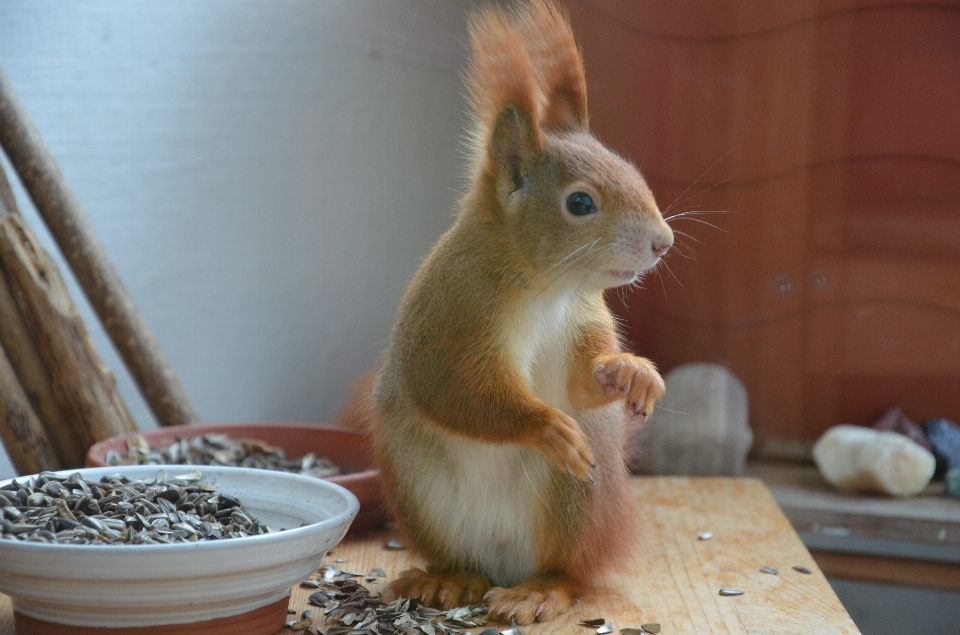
(501, 405)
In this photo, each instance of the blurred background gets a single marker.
(267, 174)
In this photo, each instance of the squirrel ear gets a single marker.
(514, 141)
(558, 65)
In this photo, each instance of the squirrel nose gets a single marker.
(660, 246)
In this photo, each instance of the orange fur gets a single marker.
(500, 411)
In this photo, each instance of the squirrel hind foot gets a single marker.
(443, 591)
(538, 599)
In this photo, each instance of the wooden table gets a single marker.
(674, 577)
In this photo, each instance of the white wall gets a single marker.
(265, 175)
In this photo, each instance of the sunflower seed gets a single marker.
(221, 449)
(801, 569)
(606, 628)
(652, 627)
(705, 535)
(593, 621)
(730, 591)
(394, 545)
(632, 631)
(118, 510)
(769, 570)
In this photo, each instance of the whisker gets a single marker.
(725, 155)
(695, 212)
(700, 220)
(717, 184)
(672, 274)
(581, 258)
(572, 254)
(693, 207)
(660, 277)
(531, 481)
(673, 411)
(686, 235)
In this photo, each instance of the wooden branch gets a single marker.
(24, 437)
(82, 387)
(82, 249)
(22, 351)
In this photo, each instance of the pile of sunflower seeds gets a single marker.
(118, 510)
(350, 609)
(220, 449)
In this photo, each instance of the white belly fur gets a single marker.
(486, 500)
(488, 506)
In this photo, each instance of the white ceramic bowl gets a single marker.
(124, 586)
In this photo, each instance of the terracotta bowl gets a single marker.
(209, 587)
(347, 448)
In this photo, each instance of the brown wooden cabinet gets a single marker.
(830, 131)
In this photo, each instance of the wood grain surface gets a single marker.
(673, 577)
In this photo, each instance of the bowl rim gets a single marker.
(346, 516)
(217, 428)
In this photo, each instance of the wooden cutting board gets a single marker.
(674, 578)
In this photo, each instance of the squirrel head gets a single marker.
(567, 209)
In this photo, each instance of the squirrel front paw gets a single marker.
(563, 442)
(637, 378)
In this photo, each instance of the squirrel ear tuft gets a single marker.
(558, 65)
(502, 90)
(513, 141)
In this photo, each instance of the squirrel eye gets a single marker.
(581, 204)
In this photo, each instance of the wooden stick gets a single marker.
(23, 354)
(82, 249)
(82, 386)
(24, 437)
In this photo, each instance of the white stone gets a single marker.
(857, 459)
(700, 426)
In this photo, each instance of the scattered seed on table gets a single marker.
(490, 631)
(301, 625)
(377, 571)
(395, 545)
(705, 535)
(306, 615)
(606, 628)
(801, 569)
(309, 584)
(593, 621)
(652, 627)
(730, 591)
(631, 631)
(769, 570)
(350, 607)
